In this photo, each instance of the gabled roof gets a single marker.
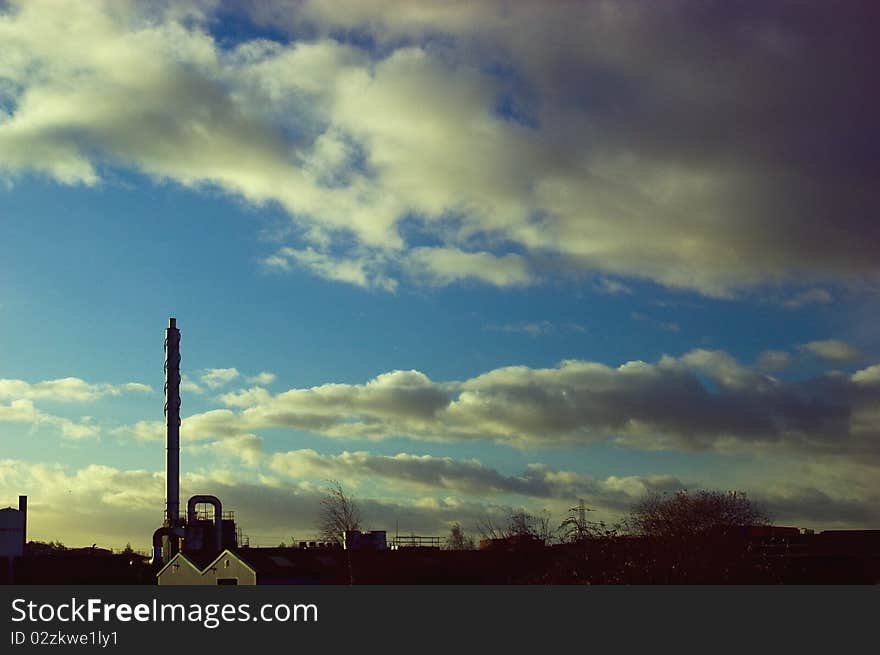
(269, 563)
(202, 559)
(277, 563)
(178, 557)
(227, 553)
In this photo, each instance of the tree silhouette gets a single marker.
(691, 514)
(338, 514)
(457, 540)
(576, 527)
(519, 523)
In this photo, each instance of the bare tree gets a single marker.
(457, 540)
(572, 529)
(520, 523)
(488, 528)
(575, 527)
(545, 530)
(686, 514)
(338, 513)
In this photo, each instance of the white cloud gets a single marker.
(773, 360)
(724, 369)
(469, 478)
(189, 386)
(23, 411)
(832, 350)
(138, 387)
(214, 378)
(246, 448)
(19, 411)
(610, 286)
(358, 148)
(144, 430)
(815, 296)
(703, 400)
(22, 394)
(263, 379)
(246, 397)
(443, 266)
(359, 270)
(215, 424)
(113, 506)
(869, 375)
(68, 389)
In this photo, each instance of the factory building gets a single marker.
(256, 566)
(252, 566)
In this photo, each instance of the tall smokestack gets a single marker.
(172, 423)
(22, 507)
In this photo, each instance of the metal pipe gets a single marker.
(157, 543)
(218, 516)
(172, 423)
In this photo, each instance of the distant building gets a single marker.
(741, 556)
(13, 529)
(357, 540)
(183, 569)
(43, 564)
(253, 566)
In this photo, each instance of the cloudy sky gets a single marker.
(461, 257)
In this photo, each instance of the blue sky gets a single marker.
(463, 258)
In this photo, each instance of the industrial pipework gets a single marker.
(218, 516)
(167, 539)
(160, 537)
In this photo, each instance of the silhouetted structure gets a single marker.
(196, 533)
(414, 541)
(13, 529)
(13, 536)
(252, 566)
(747, 555)
(49, 564)
(203, 548)
(357, 540)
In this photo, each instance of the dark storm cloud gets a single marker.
(441, 474)
(740, 137)
(703, 400)
(712, 146)
(811, 505)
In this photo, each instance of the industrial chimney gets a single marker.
(190, 529)
(22, 507)
(172, 424)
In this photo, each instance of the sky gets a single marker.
(464, 258)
